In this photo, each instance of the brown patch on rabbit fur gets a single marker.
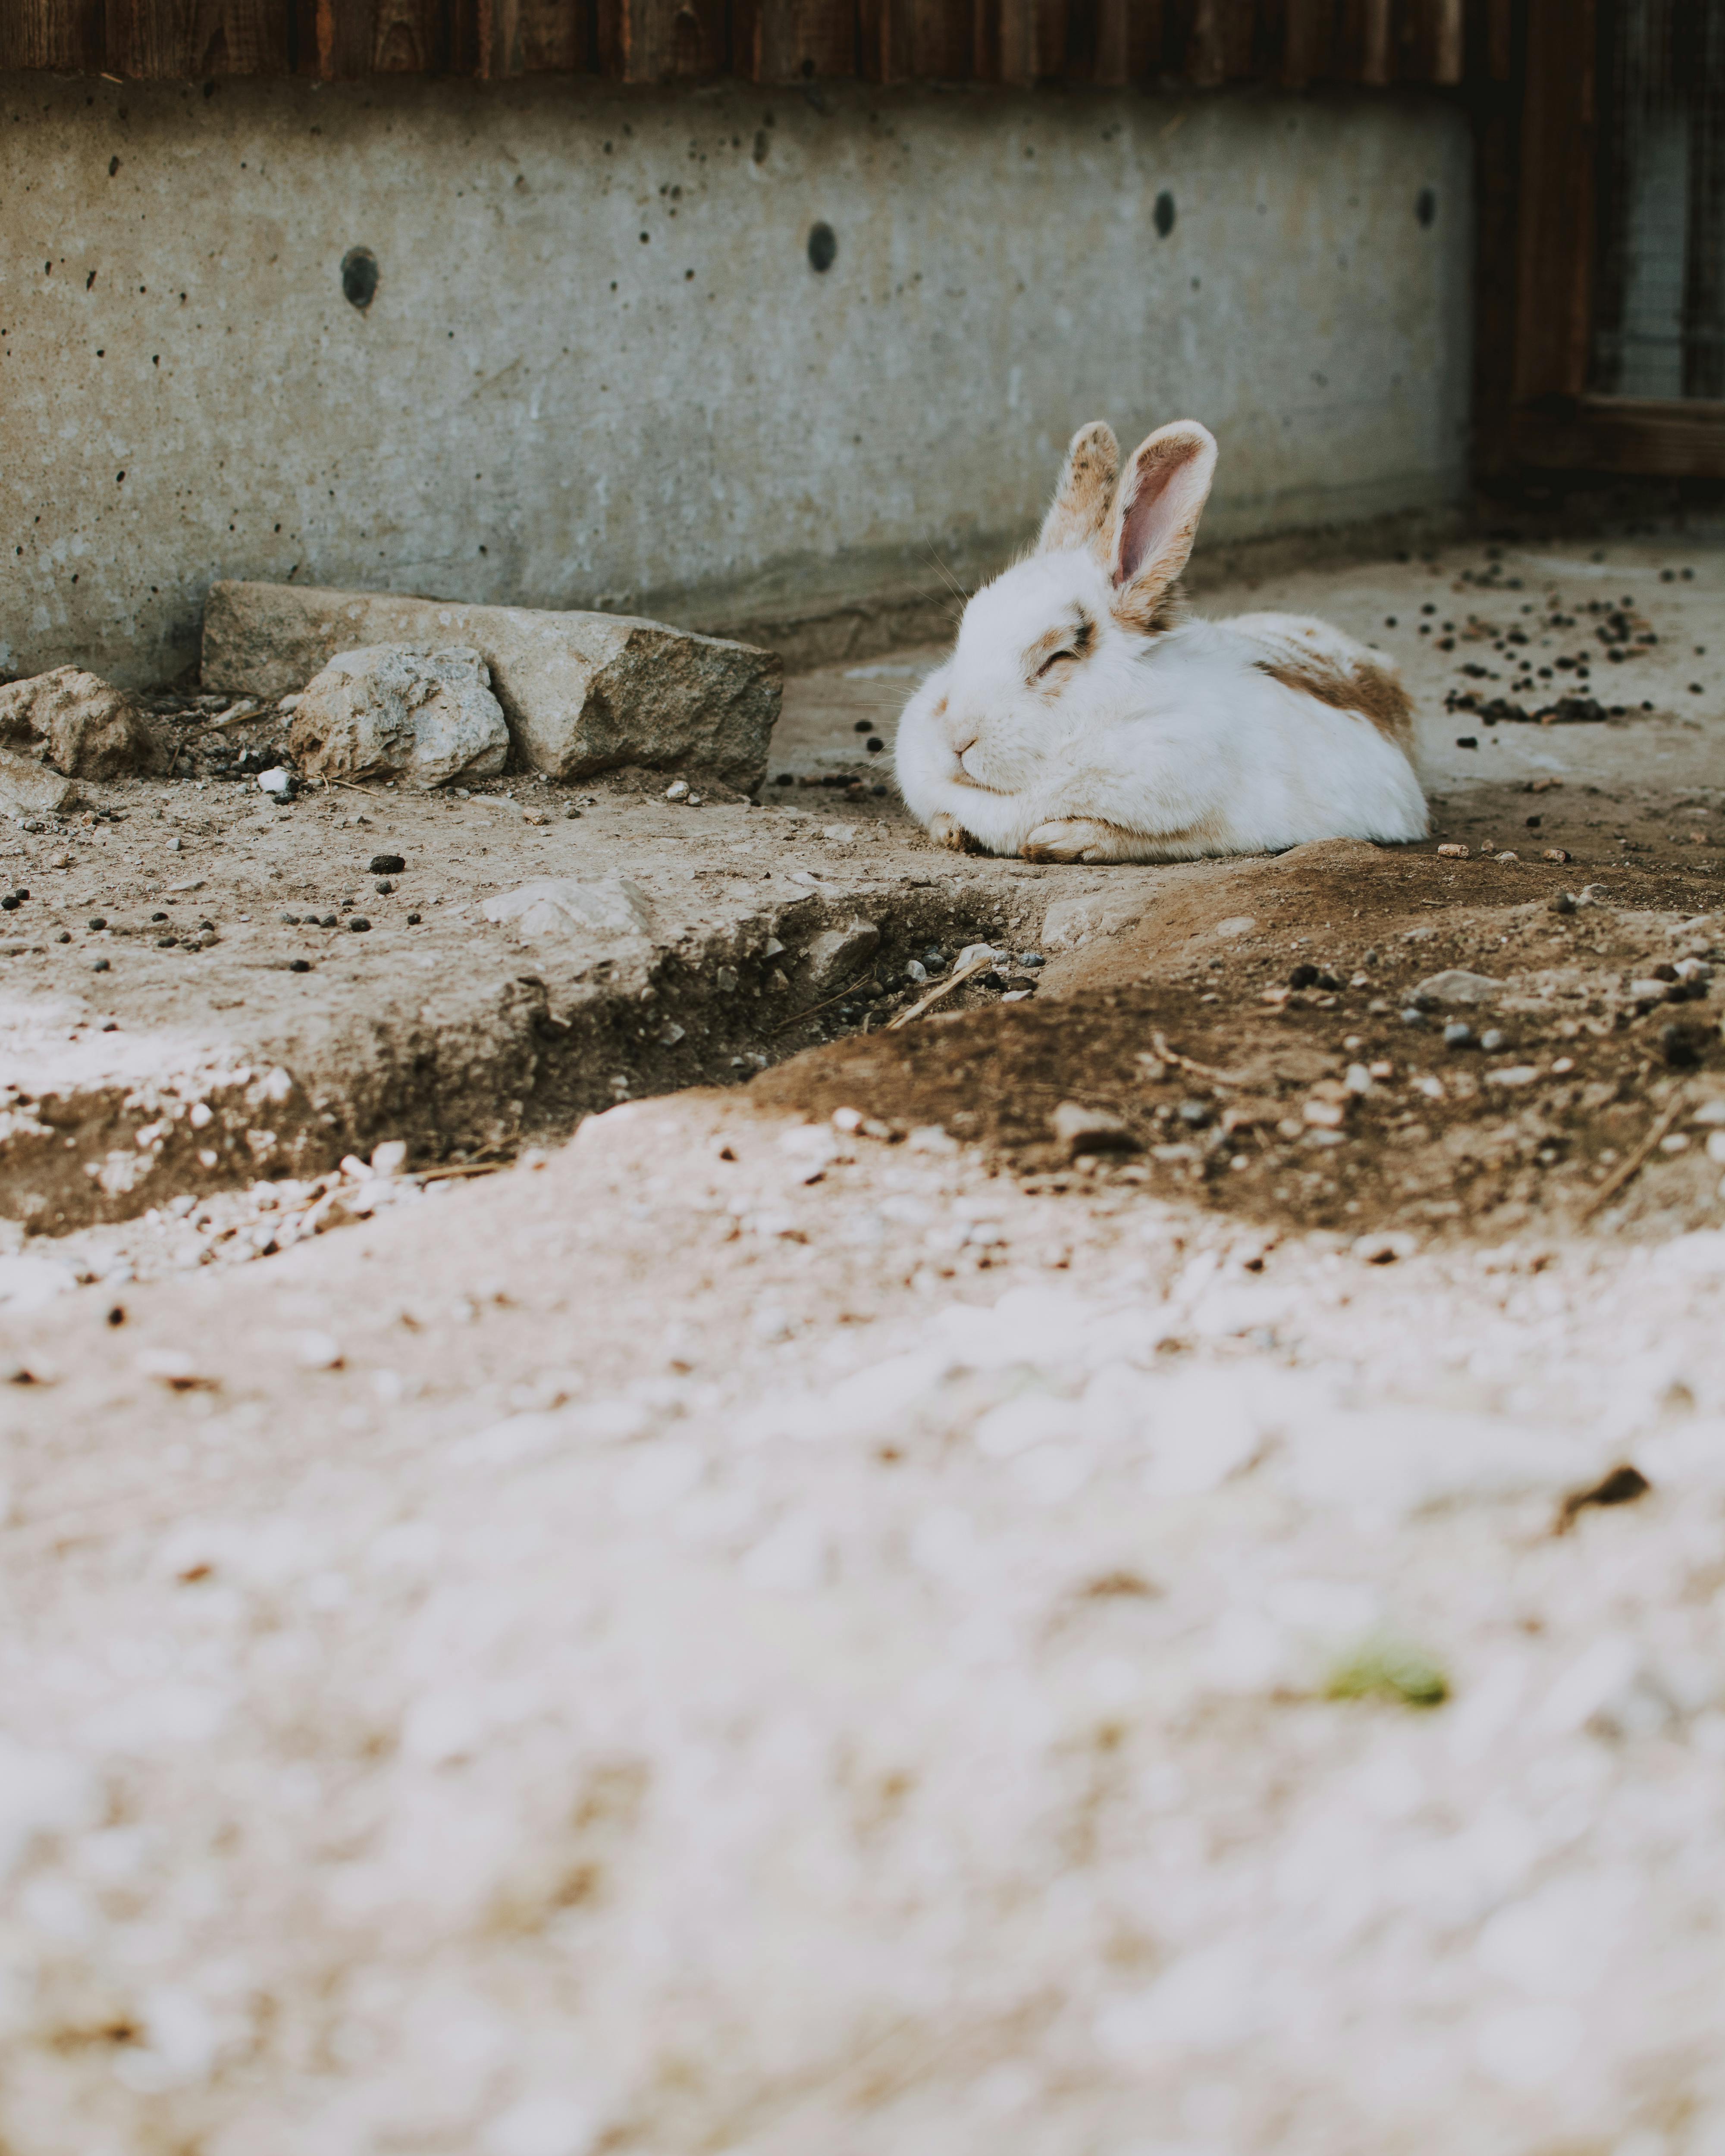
(1169, 611)
(1371, 691)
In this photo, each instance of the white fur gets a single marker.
(1158, 745)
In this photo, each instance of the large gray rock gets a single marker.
(401, 710)
(582, 692)
(81, 724)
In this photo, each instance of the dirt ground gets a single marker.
(760, 1629)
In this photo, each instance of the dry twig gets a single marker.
(1173, 1055)
(1625, 1174)
(942, 988)
(797, 1018)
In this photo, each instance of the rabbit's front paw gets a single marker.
(1073, 839)
(947, 831)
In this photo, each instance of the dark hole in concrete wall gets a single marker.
(1163, 215)
(359, 277)
(822, 247)
(1425, 206)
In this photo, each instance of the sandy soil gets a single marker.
(743, 1632)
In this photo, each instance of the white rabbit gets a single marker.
(1085, 715)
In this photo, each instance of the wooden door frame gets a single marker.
(1555, 421)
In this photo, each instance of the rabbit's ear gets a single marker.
(1080, 510)
(1162, 496)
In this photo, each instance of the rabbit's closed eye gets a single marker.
(1070, 642)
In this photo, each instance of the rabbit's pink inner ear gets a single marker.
(1162, 499)
(1079, 512)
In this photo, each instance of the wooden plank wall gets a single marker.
(1207, 43)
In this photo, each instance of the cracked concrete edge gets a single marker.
(548, 1039)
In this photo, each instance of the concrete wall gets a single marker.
(599, 368)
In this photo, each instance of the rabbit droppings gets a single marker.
(1085, 715)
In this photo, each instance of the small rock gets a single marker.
(1384, 1249)
(177, 1369)
(1564, 902)
(278, 783)
(1623, 1485)
(609, 908)
(82, 724)
(397, 709)
(1555, 854)
(385, 865)
(1086, 1130)
(1513, 1074)
(831, 959)
(1492, 1039)
(1457, 986)
(29, 788)
(1459, 1034)
(678, 790)
(853, 1123)
(1682, 1046)
(358, 925)
(1452, 853)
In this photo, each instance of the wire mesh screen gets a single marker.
(1659, 326)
